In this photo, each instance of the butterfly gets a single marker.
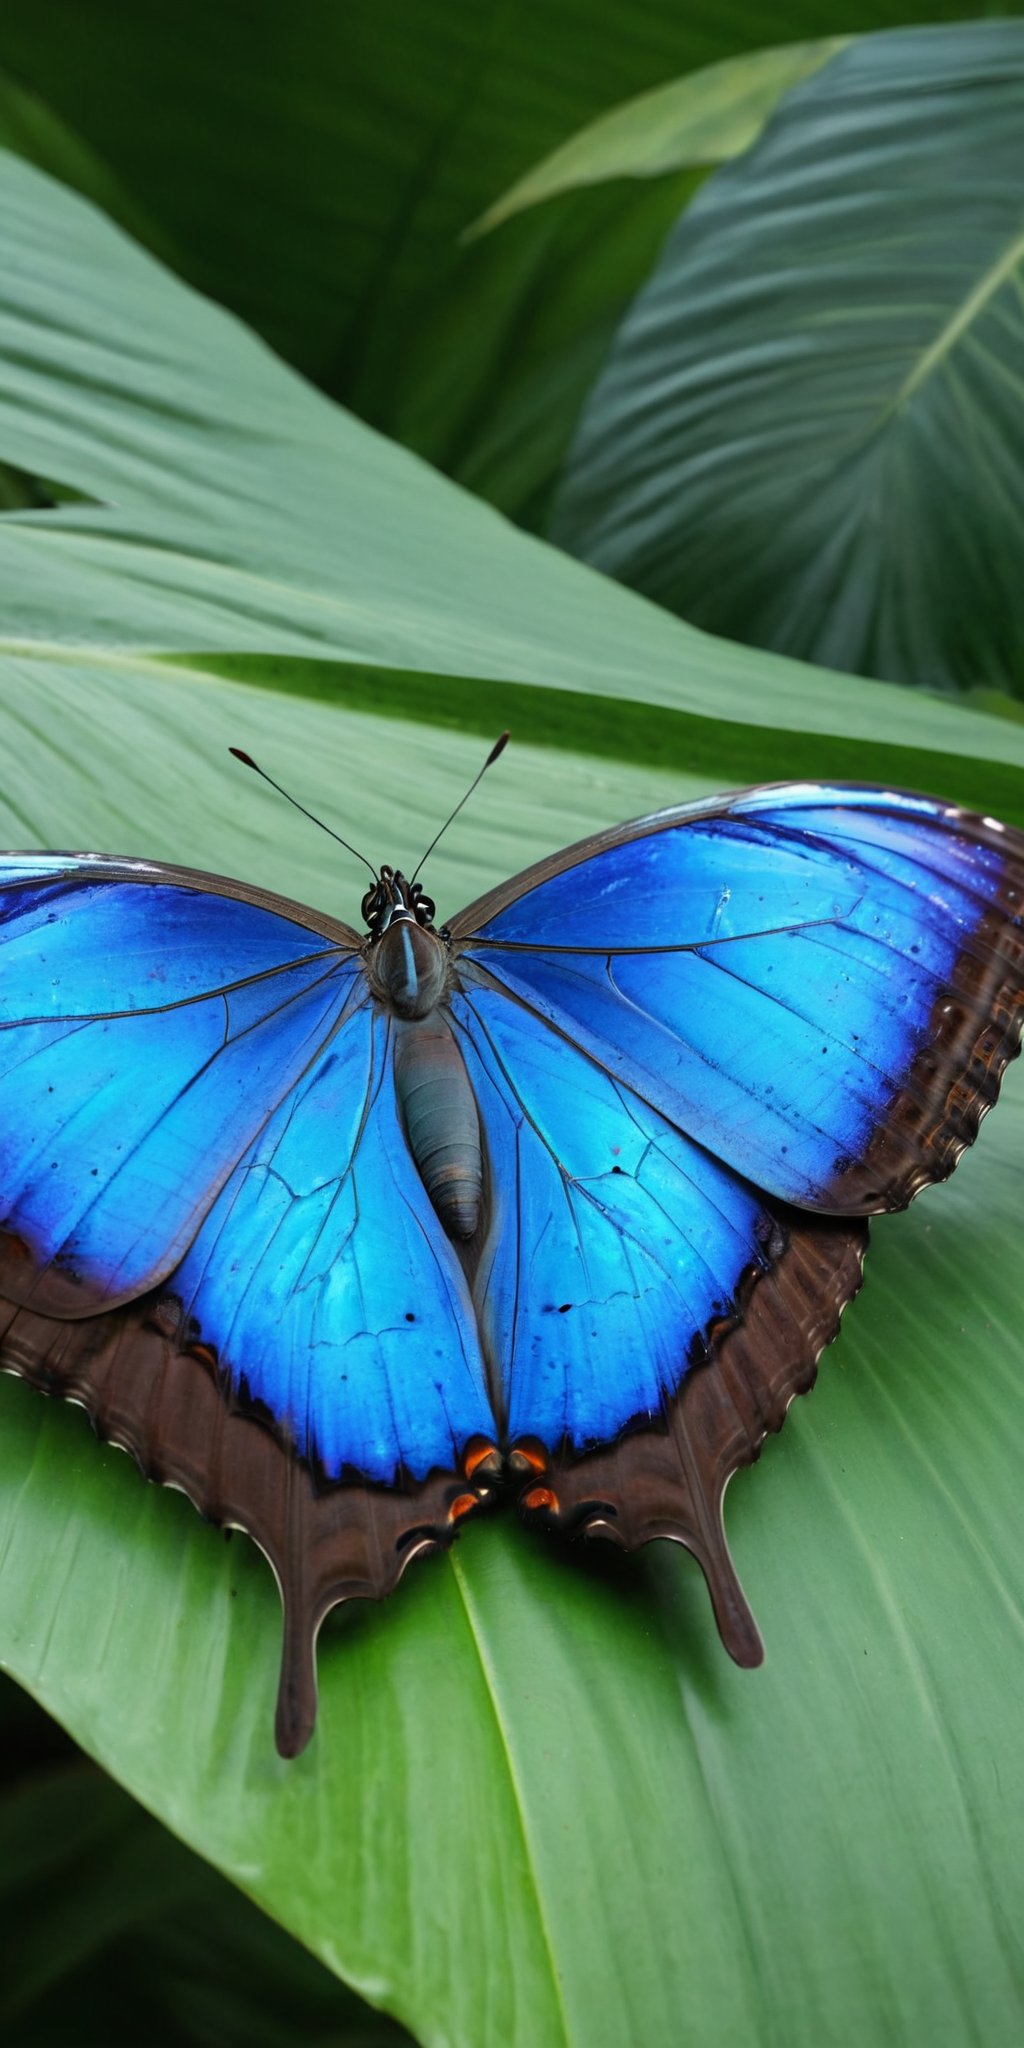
(344, 1232)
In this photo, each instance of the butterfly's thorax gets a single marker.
(406, 959)
(409, 970)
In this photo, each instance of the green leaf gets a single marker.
(540, 1804)
(551, 1760)
(810, 428)
(238, 512)
(315, 169)
(704, 119)
(542, 301)
(503, 363)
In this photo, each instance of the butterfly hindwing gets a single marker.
(668, 1479)
(651, 1313)
(174, 1413)
(354, 1327)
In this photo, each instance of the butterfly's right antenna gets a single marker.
(248, 762)
(498, 748)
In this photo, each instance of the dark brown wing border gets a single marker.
(183, 1427)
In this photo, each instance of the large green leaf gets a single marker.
(315, 165)
(540, 1804)
(810, 428)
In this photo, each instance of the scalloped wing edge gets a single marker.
(669, 1480)
(325, 1543)
(329, 1543)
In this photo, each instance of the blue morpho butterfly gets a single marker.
(342, 1232)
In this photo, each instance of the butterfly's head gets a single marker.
(408, 959)
(393, 899)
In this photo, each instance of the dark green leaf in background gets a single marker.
(314, 165)
(504, 361)
(111, 1926)
(316, 168)
(810, 429)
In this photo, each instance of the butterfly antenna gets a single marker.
(248, 762)
(498, 748)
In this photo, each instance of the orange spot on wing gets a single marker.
(528, 1457)
(478, 1453)
(540, 1497)
(463, 1504)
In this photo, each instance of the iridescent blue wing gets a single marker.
(821, 985)
(212, 1232)
(680, 1029)
(143, 1024)
(647, 1312)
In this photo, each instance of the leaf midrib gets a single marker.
(957, 325)
(492, 1690)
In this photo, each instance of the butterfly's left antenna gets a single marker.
(248, 762)
(498, 748)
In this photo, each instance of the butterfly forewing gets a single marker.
(822, 986)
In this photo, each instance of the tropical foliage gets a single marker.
(809, 429)
(540, 1805)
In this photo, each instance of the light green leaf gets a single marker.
(696, 121)
(810, 428)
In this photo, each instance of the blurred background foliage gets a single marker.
(727, 301)
(107, 1917)
(320, 170)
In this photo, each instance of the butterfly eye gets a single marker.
(424, 906)
(377, 902)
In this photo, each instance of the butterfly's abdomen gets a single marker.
(441, 1119)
